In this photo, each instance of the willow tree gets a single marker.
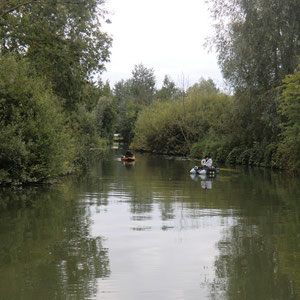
(257, 42)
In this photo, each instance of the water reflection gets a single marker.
(46, 250)
(128, 164)
(260, 255)
(206, 182)
(150, 231)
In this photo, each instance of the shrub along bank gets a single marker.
(188, 126)
(39, 140)
(220, 125)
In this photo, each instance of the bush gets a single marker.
(185, 126)
(270, 155)
(288, 155)
(35, 144)
(234, 155)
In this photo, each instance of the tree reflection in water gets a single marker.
(260, 255)
(46, 249)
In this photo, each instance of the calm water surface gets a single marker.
(151, 231)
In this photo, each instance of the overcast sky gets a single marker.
(166, 35)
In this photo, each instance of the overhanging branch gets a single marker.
(16, 7)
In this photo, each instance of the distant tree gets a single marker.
(122, 90)
(168, 91)
(128, 114)
(132, 95)
(204, 86)
(106, 117)
(91, 92)
(143, 85)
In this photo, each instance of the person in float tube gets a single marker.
(128, 153)
(207, 162)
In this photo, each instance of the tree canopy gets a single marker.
(60, 46)
(62, 40)
(257, 41)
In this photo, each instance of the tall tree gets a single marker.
(258, 44)
(143, 84)
(257, 40)
(132, 95)
(168, 91)
(62, 39)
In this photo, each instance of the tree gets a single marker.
(204, 86)
(62, 43)
(289, 147)
(7, 6)
(168, 91)
(106, 117)
(128, 114)
(122, 91)
(143, 85)
(132, 96)
(62, 40)
(257, 41)
(35, 144)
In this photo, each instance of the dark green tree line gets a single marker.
(131, 96)
(257, 43)
(63, 46)
(35, 143)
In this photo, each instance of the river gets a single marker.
(149, 230)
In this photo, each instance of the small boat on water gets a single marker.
(128, 158)
(210, 172)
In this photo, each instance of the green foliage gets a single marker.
(128, 114)
(86, 137)
(218, 149)
(34, 142)
(106, 117)
(61, 39)
(172, 127)
(52, 126)
(258, 45)
(289, 147)
(257, 155)
(168, 91)
(142, 85)
(157, 130)
(234, 155)
(132, 95)
(204, 86)
(257, 42)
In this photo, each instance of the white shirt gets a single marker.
(208, 163)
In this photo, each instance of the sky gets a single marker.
(165, 35)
